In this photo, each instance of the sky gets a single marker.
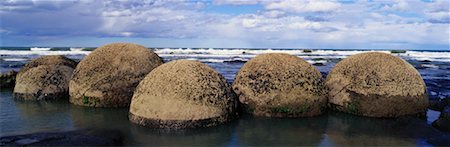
(344, 24)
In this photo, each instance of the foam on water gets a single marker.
(249, 53)
(227, 54)
(14, 59)
(42, 53)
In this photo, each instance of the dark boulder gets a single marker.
(443, 122)
(7, 80)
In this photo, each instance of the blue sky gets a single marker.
(345, 24)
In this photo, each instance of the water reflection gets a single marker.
(349, 130)
(277, 131)
(38, 116)
(335, 129)
(214, 136)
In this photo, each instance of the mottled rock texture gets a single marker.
(108, 76)
(183, 94)
(8, 80)
(280, 85)
(376, 85)
(45, 78)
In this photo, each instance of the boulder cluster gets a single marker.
(189, 94)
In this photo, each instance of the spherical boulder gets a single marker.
(376, 85)
(108, 76)
(43, 83)
(182, 94)
(44, 78)
(50, 60)
(280, 85)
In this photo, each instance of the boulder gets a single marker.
(45, 78)
(108, 76)
(50, 60)
(8, 80)
(376, 85)
(182, 94)
(43, 83)
(280, 85)
(443, 122)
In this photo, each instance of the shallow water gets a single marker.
(335, 129)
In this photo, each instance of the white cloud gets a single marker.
(438, 17)
(300, 6)
(304, 23)
(235, 2)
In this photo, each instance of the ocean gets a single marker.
(330, 129)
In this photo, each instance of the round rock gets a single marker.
(280, 85)
(376, 85)
(108, 76)
(43, 83)
(182, 94)
(50, 60)
(44, 78)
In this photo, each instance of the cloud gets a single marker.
(235, 2)
(438, 17)
(303, 23)
(303, 6)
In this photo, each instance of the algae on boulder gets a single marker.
(108, 76)
(182, 94)
(376, 85)
(280, 85)
(44, 78)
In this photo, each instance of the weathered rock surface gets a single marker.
(45, 78)
(182, 94)
(8, 80)
(43, 83)
(50, 60)
(108, 76)
(376, 85)
(280, 85)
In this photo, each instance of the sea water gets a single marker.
(329, 129)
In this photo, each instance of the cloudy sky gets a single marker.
(346, 24)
